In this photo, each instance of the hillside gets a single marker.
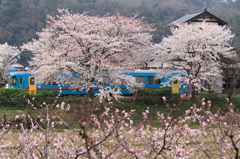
(21, 19)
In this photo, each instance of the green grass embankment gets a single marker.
(17, 103)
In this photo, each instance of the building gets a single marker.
(19, 64)
(191, 18)
(198, 17)
(231, 73)
(194, 18)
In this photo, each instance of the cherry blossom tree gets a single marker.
(197, 49)
(231, 75)
(77, 49)
(7, 54)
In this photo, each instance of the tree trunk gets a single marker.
(89, 92)
(90, 88)
(192, 90)
(231, 89)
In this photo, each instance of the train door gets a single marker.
(175, 86)
(20, 82)
(32, 85)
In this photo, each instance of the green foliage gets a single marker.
(236, 102)
(14, 101)
(210, 95)
(154, 91)
(12, 97)
(217, 101)
(18, 98)
(152, 96)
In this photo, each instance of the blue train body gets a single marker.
(22, 80)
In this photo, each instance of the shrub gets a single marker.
(16, 98)
(152, 96)
(11, 97)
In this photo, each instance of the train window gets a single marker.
(51, 80)
(152, 80)
(13, 81)
(32, 81)
(140, 79)
(20, 81)
(54, 83)
(51, 83)
(175, 82)
(104, 80)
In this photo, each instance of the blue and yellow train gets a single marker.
(26, 80)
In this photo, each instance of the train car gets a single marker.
(147, 77)
(27, 80)
(22, 80)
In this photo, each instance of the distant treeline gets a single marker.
(21, 19)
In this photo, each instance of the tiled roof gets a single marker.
(186, 18)
(23, 62)
(191, 16)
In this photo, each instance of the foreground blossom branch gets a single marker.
(113, 134)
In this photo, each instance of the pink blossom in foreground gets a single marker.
(112, 134)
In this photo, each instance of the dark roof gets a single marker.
(22, 61)
(191, 17)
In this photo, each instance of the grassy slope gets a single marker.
(153, 103)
